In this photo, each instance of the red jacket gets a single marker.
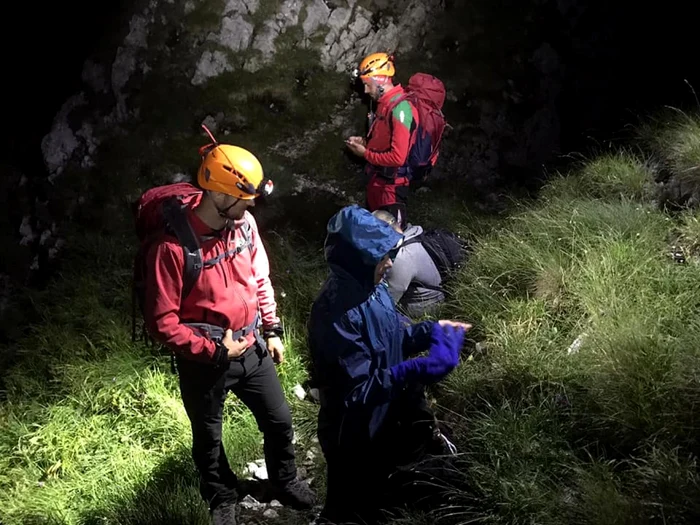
(227, 294)
(389, 138)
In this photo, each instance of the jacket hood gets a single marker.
(356, 241)
(412, 231)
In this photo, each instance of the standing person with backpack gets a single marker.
(404, 134)
(205, 290)
(388, 141)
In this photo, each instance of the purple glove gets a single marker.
(445, 345)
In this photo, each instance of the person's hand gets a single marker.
(234, 348)
(445, 345)
(356, 140)
(356, 146)
(276, 349)
(447, 322)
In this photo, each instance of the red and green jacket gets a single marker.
(389, 137)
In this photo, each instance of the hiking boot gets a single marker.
(296, 494)
(224, 514)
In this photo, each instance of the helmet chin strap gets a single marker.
(224, 213)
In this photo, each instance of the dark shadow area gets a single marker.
(307, 212)
(624, 59)
(44, 49)
(170, 496)
(596, 67)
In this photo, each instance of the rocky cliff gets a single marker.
(271, 76)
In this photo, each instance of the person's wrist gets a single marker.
(409, 370)
(275, 330)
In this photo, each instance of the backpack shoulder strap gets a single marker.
(417, 238)
(176, 219)
(443, 124)
(245, 229)
(389, 108)
(247, 235)
(396, 101)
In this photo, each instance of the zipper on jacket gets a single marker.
(233, 262)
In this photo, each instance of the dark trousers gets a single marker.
(362, 482)
(355, 486)
(253, 379)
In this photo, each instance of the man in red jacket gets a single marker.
(388, 139)
(213, 329)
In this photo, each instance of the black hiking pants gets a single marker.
(253, 379)
(362, 484)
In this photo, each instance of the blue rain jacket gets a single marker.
(356, 334)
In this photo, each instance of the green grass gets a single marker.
(673, 136)
(92, 426)
(607, 434)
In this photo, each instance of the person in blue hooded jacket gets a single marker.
(373, 410)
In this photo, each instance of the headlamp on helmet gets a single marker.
(264, 189)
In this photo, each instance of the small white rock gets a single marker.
(576, 345)
(261, 473)
(299, 391)
(250, 503)
(251, 469)
(271, 514)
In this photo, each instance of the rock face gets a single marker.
(236, 34)
(188, 49)
(271, 75)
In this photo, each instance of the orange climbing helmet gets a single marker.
(376, 65)
(231, 170)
